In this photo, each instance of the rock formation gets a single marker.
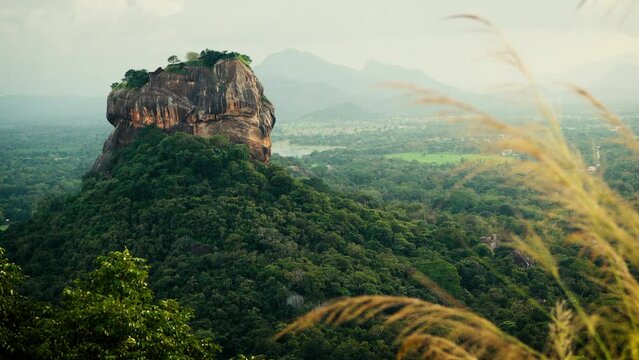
(204, 101)
(492, 241)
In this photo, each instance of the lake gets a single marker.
(285, 148)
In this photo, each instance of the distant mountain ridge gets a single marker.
(342, 111)
(301, 83)
(614, 80)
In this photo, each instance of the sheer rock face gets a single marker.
(225, 99)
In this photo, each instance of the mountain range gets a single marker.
(303, 85)
(614, 80)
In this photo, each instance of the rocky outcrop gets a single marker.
(492, 241)
(224, 99)
(522, 259)
(295, 300)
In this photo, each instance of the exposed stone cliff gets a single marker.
(204, 101)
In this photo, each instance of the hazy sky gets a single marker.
(80, 47)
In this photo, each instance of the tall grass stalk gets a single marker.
(607, 231)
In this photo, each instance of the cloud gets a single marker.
(161, 8)
(96, 13)
(87, 12)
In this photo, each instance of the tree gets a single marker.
(136, 78)
(211, 57)
(111, 314)
(173, 59)
(245, 59)
(443, 273)
(192, 56)
(462, 200)
(15, 311)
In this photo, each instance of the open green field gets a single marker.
(442, 158)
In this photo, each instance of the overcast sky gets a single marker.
(79, 47)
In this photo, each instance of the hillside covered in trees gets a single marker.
(250, 248)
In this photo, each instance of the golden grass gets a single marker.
(561, 333)
(442, 332)
(607, 231)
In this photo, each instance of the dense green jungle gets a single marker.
(249, 247)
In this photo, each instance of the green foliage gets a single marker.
(178, 68)
(173, 59)
(16, 311)
(108, 315)
(231, 238)
(444, 274)
(234, 239)
(43, 161)
(245, 59)
(460, 210)
(462, 200)
(443, 158)
(211, 57)
(133, 79)
(175, 66)
(192, 56)
(111, 314)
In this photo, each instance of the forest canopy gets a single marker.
(249, 247)
(109, 313)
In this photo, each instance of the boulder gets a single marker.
(226, 99)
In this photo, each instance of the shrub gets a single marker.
(133, 79)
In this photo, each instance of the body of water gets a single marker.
(285, 148)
